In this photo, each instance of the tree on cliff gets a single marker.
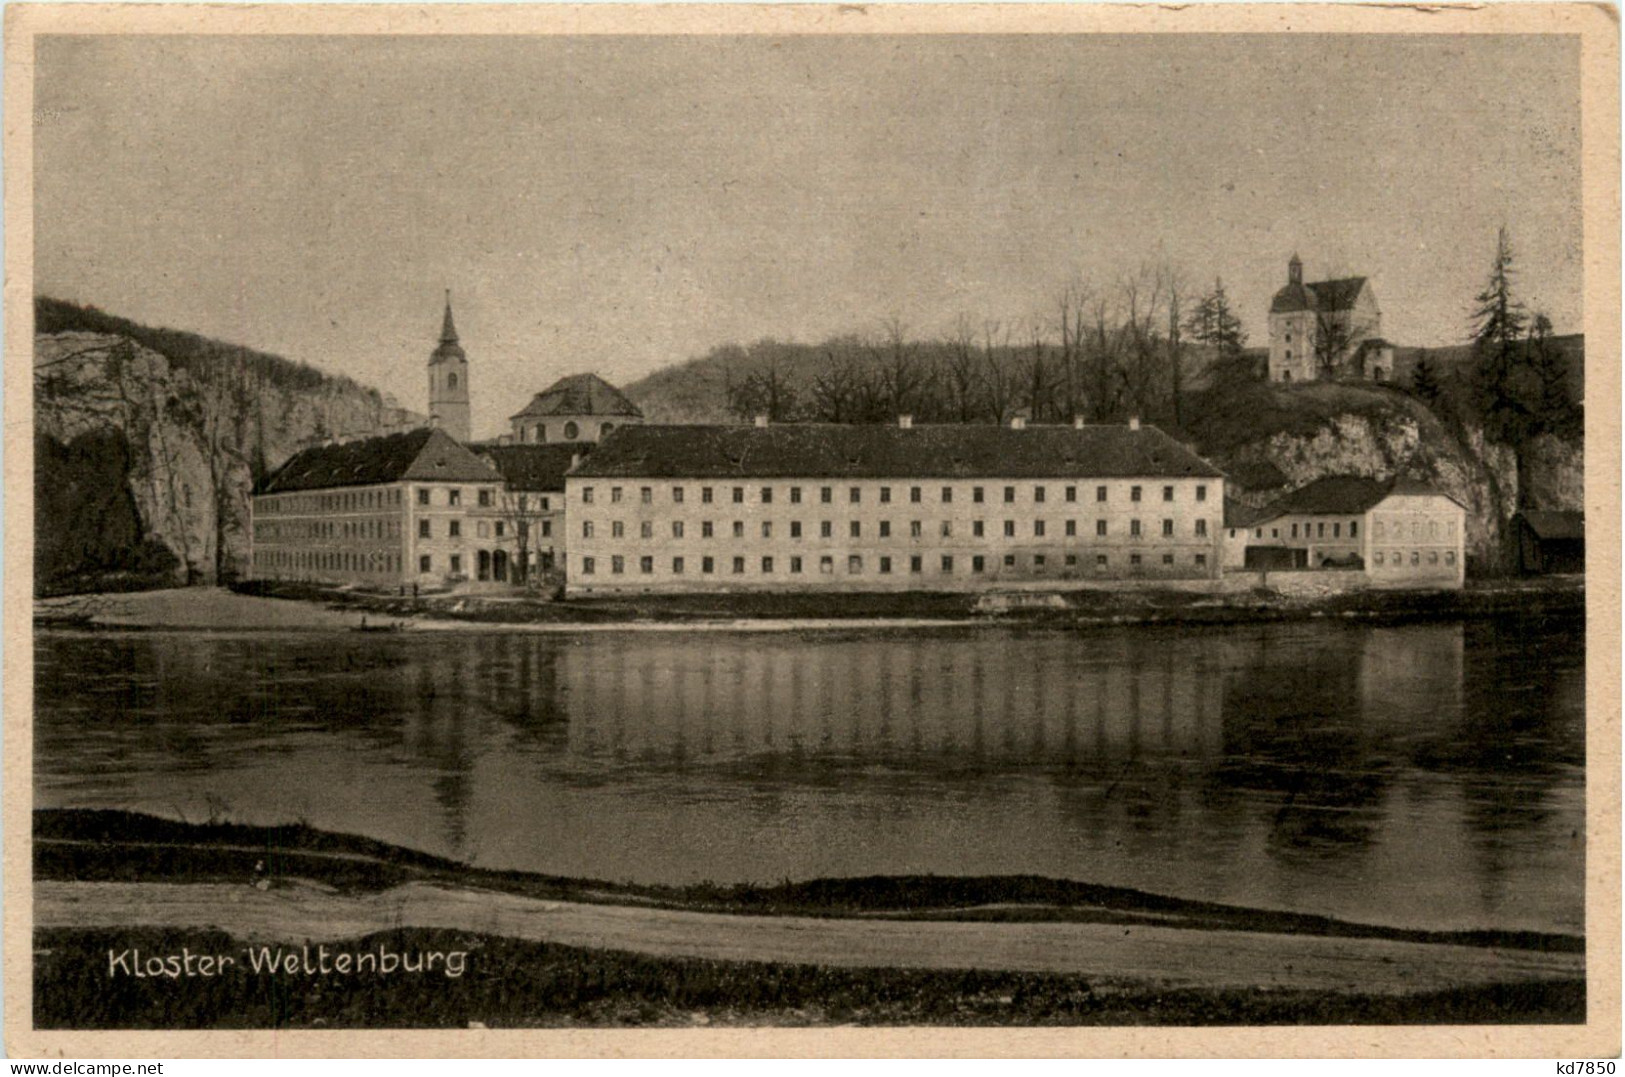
(1425, 382)
(1214, 324)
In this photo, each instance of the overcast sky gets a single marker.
(618, 204)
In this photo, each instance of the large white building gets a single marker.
(896, 507)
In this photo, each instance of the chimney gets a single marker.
(1133, 422)
(761, 420)
(1018, 422)
(575, 458)
(1077, 422)
(905, 422)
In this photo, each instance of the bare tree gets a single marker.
(903, 379)
(522, 511)
(996, 374)
(959, 375)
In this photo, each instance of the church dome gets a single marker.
(1294, 297)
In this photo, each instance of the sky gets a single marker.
(618, 204)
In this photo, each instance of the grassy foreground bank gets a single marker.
(513, 982)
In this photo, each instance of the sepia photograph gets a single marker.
(849, 519)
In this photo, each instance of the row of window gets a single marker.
(337, 501)
(854, 494)
(484, 497)
(308, 530)
(826, 529)
(482, 528)
(1317, 530)
(378, 561)
(854, 564)
(538, 432)
(1396, 558)
(1430, 530)
(1418, 530)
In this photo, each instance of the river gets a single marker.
(1425, 776)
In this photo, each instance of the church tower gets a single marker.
(448, 381)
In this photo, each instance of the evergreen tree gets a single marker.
(1498, 353)
(1425, 382)
(1556, 411)
(1214, 324)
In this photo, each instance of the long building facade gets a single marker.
(866, 508)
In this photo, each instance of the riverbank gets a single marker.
(305, 606)
(548, 951)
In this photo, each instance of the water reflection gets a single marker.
(1427, 775)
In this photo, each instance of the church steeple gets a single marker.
(448, 380)
(1294, 275)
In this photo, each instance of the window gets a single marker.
(708, 565)
(646, 565)
(423, 529)
(856, 529)
(947, 529)
(1134, 528)
(425, 561)
(1201, 559)
(1071, 528)
(454, 497)
(1167, 493)
(456, 529)
(1433, 557)
(617, 529)
(1167, 558)
(947, 562)
(1038, 528)
(739, 566)
(1009, 560)
(646, 529)
(1416, 558)
(767, 529)
(1133, 558)
(1100, 560)
(1038, 494)
(1378, 557)
(795, 495)
(1167, 529)
(706, 529)
(826, 565)
(1071, 560)
(617, 565)
(423, 496)
(1038, 562)
(677, 495)
(767, 495)
(976, 494)
(914, 529)
(1294, 530)
(1201, 529)
(1009, 529)
(1354, 529)
(571, 431)
(978, 563)
(1201, 493)
(914, 495)
(588, 565)
(1259, 533)
(586, 529)
(976, 528)
(795, 528)
(885, 529)
(615, 495)
(825, 529)
(676, 566)
(1450, 557)
(1320, 529)
(795, 565)
(947, 495)
(501, 526)
(1378, 529)
(706, 495)
(767, 566)
(1009, 494)
(677, 529)
(826, 494)
(854, 494)
(885, 495)
(1100, 527)
(1134, 493)
(1337, 530)
(885, 566)
(915, 562)
(485, 499)
(1100, 493)
(739, 529)
(739, 495)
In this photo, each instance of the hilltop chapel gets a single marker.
(1327, 329)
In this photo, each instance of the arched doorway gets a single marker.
(499, 566)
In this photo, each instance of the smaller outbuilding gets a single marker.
(1549, 542)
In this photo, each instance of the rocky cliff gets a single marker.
(147, 443)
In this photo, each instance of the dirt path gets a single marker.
(1104, 952)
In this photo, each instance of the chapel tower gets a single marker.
(448, 381)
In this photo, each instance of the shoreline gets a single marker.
(289, 607)
(550, 951)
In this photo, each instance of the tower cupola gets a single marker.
(448, 380)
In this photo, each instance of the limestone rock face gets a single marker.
(123, 432)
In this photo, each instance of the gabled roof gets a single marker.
(1556, 525)
(1320, 295)
(534, 467)
(1345, 495)
(837, 451)
(580, 394)
(424, 454)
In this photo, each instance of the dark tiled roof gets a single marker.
(534, 467)
(820, 450)
(1238, 515)
(1344, 495)
(1320, 295)
(1556, 525)
(580, 394)
(426, 453)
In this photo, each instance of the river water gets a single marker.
(1427, 776)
